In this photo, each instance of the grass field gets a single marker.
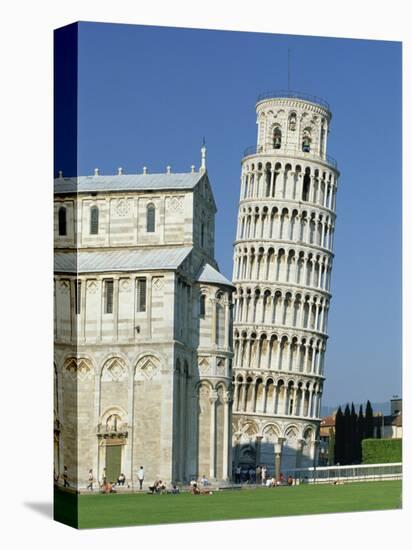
(115, 510)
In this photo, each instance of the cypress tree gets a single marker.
(368, 421)
(361, 432)
(347, 435)
(353, 436)
(338, 455)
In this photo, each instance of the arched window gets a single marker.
(277, 138)
(292, 121)
(94, 220)
(150, 218)
(202, 305)
(306, 140)
(202, 234)
(306, 187)
(62, 221)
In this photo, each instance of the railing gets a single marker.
(338, 474)
(293, 95)
(289, 152)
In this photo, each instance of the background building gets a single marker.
(142, 329)
(389, 426)
(282, 272)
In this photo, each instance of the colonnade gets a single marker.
(286, 180)
(254, 394)
(279, 308)
(286, 353)
(289, 224)
(282, 265)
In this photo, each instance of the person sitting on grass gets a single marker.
(107, 488)
(174, 490)
(194, 489)
(154, 488)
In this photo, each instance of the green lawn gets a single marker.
(140, 509)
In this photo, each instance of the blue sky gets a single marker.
(148, 95)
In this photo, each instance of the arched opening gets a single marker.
(202, 305)
(150, 218)
(306, 185)
(306, 140)
(94, 220)
(62, 221)
(277, 138)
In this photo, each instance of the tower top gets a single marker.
(289, 94)
(292, 124)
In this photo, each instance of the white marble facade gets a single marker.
(282, 270)
(143, 341)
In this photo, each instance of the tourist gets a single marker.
(290, 480)
(107, 488)
(175, 490)
(258, 474)
(238, 471)
(204, 481)
(66, 477)
(121, 479)
(194, 489)
(264, 472)
(251, 474)
(155, 487)
(90, 485)
(140, 477)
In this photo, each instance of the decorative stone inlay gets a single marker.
(174, 204)
(270, 433)
(158, 283)
(78, 369)
(64, 287)
(147, 368)
(114, 370)
(92, 287)
(220, 367)
(122, 207)
(125, 285)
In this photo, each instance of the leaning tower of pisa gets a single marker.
(282, 273)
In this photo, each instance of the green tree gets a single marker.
(368, 421)
(338, 455)
(347, 452)
(353, 436)
(360, 434)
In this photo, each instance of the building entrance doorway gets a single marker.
(113, 462)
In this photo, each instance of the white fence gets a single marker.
(359, 472)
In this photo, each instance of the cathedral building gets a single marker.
(143, 334)
(282, 273)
